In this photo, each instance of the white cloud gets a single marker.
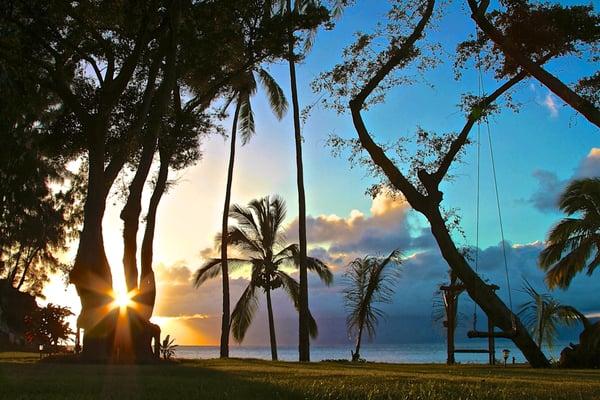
(551, 105)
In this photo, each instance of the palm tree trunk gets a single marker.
(303, 320)
(225, 323)
(271, 326)
(356, 355)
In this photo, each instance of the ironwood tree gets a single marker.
(363, 79)
(110, 68)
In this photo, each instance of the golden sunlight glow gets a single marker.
(123, 299)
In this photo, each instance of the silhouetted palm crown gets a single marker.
(574, 243)
(259, 237)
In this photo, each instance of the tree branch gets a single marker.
(580, 104)
(356, 105)
(473, 117)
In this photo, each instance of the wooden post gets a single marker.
(451, 324)
(491, 342)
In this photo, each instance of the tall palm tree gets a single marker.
(369, 281)
(259, 237)
(543, 314)
(244, 88)
(573, 245)
(299, 7)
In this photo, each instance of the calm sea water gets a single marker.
(395, 353)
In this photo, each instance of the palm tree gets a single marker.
(300, 7)
(370, 281)
(244, 88)
(258, 236)
(574, 243)
(543, 314)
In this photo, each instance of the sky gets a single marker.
(537, 151)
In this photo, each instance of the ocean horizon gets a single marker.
(411, 353)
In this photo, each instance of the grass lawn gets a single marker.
(22, 377)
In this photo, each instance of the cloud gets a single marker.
(550, 104)
(545, 198)
(590, 165)
(194, 315)
(388, 227)
(550, 186)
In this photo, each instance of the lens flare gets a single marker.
(123, 300)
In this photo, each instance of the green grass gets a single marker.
(23, 378)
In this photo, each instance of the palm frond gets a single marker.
(242, 240)
(292, 288)
(292, 253)
(247, 127)
(243, 313)
(542, 315)
(277, 99)
(317, 266)
(244, 219)
(212, 269)
(369, 281)
(574, 243)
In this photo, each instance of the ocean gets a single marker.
(419, 353)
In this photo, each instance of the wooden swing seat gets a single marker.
(485, 334)
(478, 351)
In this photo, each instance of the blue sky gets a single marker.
(537, 150)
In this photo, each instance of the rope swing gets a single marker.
(481, 93)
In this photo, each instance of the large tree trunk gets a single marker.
(141, 330)
(225, 323)
(133, 207)
(428, 204)
(131, 213)
(147, 296)
(303, 311)
(481, 292)
(91, 273)
(271, 326)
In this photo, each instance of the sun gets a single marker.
(123, 299)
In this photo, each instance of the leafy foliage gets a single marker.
(540, 31)
(167, 347)
(258, 236)
(573, 245)
(48, 326)
(370, 281)
(543, 314)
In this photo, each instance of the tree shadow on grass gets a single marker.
(95, 381)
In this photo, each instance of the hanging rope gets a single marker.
(477, 207)
(501, 227)
(481, 93)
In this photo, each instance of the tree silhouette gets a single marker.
(258, 236)
(363, 79)
(524, 31)
(543, 314)
(244, 87)
(573, 245)
(300, 9)
(370, 281)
